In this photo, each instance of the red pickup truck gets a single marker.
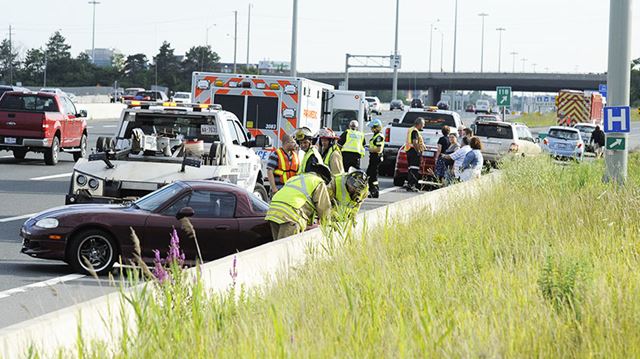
(41, 122)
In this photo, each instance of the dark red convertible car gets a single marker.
(226, 218)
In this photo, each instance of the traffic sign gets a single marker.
(503, 95)
(602, 88)
(616, 143)
(396, 61)
(617, 119)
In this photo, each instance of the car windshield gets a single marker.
(154, 200)
(494, 131)
(181, 95)
(432, 120)
(585, 129)
(370, 99)
(177, 126)
(564, 134)
(131, 91)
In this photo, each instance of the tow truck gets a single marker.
(158, 143)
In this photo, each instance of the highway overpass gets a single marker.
(436, 82)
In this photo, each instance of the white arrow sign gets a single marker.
(504, 99)
(615, 143)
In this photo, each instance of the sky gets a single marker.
(556, 36)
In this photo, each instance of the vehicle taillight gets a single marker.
(546, 142)
(579, 145)
(44, 123)
(513, 147)
(387, 134)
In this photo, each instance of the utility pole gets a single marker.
(45, 69)
(394, 92)
(455, 36)
(441, 50)
(294, 40)
(248, 36)
(500, 30)
(235, 39)
(10, 56)
(482, 15)
(534, 67)
(523, 62)
(618, 80)
(431, 43)
(513, 53)
(93, 32)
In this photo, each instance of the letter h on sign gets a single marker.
(617, 119)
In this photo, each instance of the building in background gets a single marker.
(104, 57)
(268, 67)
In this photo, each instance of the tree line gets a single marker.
(55, 63)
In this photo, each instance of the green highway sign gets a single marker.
(615, 144)
(503, 95)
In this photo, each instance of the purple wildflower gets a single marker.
(158, 269)
(174, 253)
(233, 272)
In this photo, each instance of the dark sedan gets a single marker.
(226, 218)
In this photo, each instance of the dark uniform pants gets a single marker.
(372, 173)
(350, 159)
(413, 157)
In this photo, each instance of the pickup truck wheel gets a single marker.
(399, 180)
(19, 154)
(97, 247)
(51, 154)
(83, 149)
(261, 192)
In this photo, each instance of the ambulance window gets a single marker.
(231, 103)
(262, 113)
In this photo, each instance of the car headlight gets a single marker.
(47, 223)
(93, 183)
(81, 180)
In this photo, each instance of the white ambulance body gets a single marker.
(345, 106)
(266, 105)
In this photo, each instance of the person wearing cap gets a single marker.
(282, 164)
(352, 143)
(297, 204)
(304, 138)
(376, 145)
(329, 150)
(348, 191)
(414, 147)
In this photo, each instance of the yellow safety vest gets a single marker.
(313, 151)
(287, 168)
(327, 157)
(372, 145)
(293, 195)
(353, 142)
(408, 145)
(343, 198)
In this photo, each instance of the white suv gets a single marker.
(483, 106)
(501, 138)
(374, 104)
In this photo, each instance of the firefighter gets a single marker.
(352, 143)
(296, 205)
(282, 164)
(414, 147)
(376, 145)
(305, 138)
(329, 150)
(348, 191)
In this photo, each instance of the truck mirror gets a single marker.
(396, 120)
(249, 135)
(82, 113)
(185, 212)
(263, 141)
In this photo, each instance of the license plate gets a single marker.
(10, 140)
(428, 153)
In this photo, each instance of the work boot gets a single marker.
(412, 189)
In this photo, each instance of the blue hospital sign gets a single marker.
(617, 119)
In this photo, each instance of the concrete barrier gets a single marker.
(101, 318)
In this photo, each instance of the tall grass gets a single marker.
(546, 264)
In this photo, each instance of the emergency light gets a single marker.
(290, 90)
(261, 85)
(275, 87)
(219, 83)
(203, 84)
(289, 113)
(233, 84)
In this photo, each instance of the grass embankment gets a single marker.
(547, 264)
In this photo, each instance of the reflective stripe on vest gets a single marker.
(409, 144)
(298, 190)
(287, 167)
(307, 155)
(372, 145)
(327, 157)
(342, 194)
(353, 143)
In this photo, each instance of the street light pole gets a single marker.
(441, 50)
(513, 53)
(235, 39)
(618, 80)
(248, 36)
(482, 15)
(534, 67)
(431, 43)
(455, 36)
(93, 35)
(394, 92)
(500, 30)
(523, 62)
(294, 39)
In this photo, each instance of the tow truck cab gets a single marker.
(159, 143)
